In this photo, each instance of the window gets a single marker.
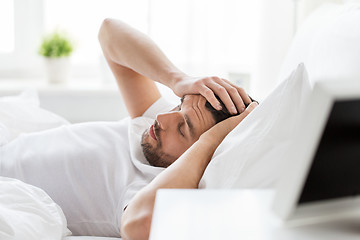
(21, 37)
(201, 37)
(82, 23)
(7, 25)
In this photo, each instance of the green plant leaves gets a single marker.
(56, 45)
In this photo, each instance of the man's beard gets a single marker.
(153, 154)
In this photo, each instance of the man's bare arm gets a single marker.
(137, 61)
(185, 172)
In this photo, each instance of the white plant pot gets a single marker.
(57, 69)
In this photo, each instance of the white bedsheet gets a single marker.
(27, 212)
(90, 238)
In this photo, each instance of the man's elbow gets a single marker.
(103, 31)
(136, 228)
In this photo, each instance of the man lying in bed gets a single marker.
(94, 170)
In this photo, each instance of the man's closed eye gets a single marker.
(180, 129)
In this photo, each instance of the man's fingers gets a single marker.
(248, 110)
(222, 90)
(237, 94)
(230, 123)
(210, 97)
(234, 98)
(251, 107)
(244, 96)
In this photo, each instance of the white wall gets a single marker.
(305, 7)
(276, 32)
(278, 24)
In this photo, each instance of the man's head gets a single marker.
(175, 131)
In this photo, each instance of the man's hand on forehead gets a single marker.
(234, 98)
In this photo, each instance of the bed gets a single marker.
(325, 48)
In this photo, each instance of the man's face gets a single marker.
(174, 132)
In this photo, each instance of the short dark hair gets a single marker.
(220, 115)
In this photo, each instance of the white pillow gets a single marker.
(251, 155)
(27, 212)
(22, 114)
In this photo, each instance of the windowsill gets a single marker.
(42, 85)
(80, 86)
(78, 100)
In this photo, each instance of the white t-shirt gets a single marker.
(91, 170)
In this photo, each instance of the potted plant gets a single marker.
(56, 48)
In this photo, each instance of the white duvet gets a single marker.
(23, 114)
(27, 212)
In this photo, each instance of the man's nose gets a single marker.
(167, 120)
